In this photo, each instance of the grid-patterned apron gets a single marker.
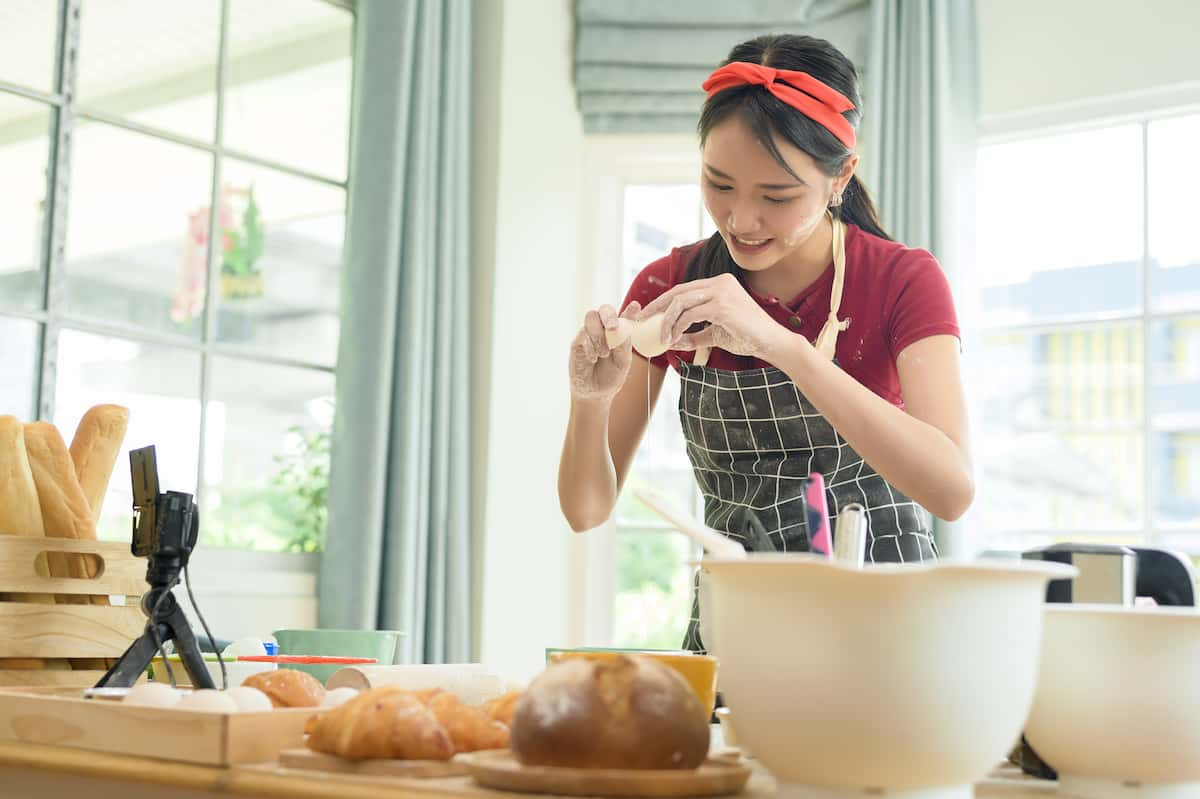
(752, 438)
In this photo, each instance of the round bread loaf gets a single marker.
(625, 712)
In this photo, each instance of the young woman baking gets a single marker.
(806, 340)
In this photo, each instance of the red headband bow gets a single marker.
(800, 90)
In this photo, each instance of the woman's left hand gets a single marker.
(736, 323)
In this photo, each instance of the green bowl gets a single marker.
(378, 644)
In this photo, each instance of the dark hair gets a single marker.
(768, 116)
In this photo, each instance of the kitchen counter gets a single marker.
(29, 770)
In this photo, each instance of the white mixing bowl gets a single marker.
(896, 680)
(1117, 708)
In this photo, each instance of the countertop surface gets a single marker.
(122, 775)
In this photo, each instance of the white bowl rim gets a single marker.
(1141, 611)
(806, 560)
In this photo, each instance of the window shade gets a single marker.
(639, 65)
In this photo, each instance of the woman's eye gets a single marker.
(779, 200)
(719, 186)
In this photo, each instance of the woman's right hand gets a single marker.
(598, 371)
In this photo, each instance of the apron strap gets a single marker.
(827, 339)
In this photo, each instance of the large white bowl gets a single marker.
(1117, 709)
(894, 680)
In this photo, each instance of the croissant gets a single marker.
(501, 708)
(387, 723)
(469, 726)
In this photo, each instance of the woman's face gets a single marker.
(763, 213)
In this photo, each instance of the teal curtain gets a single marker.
(398, 545)
(919, 139)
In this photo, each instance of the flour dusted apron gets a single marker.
(752, 438)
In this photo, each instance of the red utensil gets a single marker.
(304, 659)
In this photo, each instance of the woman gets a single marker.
(806, 340)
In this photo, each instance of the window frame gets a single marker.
(66, 112)
(1141, 108)
(612, 162)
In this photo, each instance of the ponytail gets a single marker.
(858, 210)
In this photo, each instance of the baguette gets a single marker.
(94, 451)
(65, 512)
(20, 513)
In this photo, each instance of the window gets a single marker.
(1086, 380)
(634, 586)
(171, 237)
(653, 593)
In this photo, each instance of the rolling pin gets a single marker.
(471, 682)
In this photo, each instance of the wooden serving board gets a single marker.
(309, 760)
(499, 769)
(192, 736)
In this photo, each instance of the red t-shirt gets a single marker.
(893, 296)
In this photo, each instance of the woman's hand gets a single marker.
(736, 323)
(598, 371)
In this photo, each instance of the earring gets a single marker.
(835, 200)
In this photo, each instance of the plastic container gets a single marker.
(700, 671)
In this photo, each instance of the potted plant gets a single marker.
(241, 246)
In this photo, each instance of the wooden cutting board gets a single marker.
(308, 760)
(499, 769)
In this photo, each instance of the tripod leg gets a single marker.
(188, 648)
(132, 664)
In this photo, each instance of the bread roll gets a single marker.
(288, 687)
(624, 713)
(65, 512)
(94, 451)
(382, 723)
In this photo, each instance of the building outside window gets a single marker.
(1086, 389)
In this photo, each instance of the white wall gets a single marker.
(1036, 54)
(251, 594)
(527, 184)
(527, 165)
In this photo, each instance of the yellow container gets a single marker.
(700, 671)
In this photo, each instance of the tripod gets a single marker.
(174, 527)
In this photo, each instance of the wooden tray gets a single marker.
(309, 760)
(499, 769)
(192, 736)
(54, 635)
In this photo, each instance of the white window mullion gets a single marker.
(1147, 346)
